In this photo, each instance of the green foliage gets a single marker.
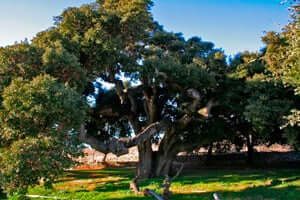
(258, 103)
(198, 77)
(28, 61)
(246, 65)
(267, 104)
(64, 65)
(191, 63)
(21, 60)
(28, 161)
(132, 18)
(292, 134)
(283, 58)
(18, 196)
(37, 123)
(37, 106)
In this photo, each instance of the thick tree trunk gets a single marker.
(144, 167)
(163, 160)
(162, 165)
(154, 163)
(164, 157)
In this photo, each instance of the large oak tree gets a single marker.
(164, 89)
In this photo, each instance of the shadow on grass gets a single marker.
(278, 188)
(280, 184)
(264, 193)
(94, 174)
(112, 186)
(132, 198)
(256, 193)
(2, 196)
(235, 176)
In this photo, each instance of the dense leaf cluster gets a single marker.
(38, 119)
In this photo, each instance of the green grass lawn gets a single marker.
(113, 184)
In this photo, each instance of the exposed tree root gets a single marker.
(166, 195)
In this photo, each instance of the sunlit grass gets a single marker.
(113, 184)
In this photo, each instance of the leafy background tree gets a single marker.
(282, 55)
(257, 101)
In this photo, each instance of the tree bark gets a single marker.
(153, 164)
(163, 164)
(144, 167)
(209, 154)
(120, 146)
(250, 150)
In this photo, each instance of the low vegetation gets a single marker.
(113, 184)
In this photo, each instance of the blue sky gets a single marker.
(233, 25)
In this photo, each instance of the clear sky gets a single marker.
(233, 25)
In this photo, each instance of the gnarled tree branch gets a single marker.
(120, 146)
(205, 111)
